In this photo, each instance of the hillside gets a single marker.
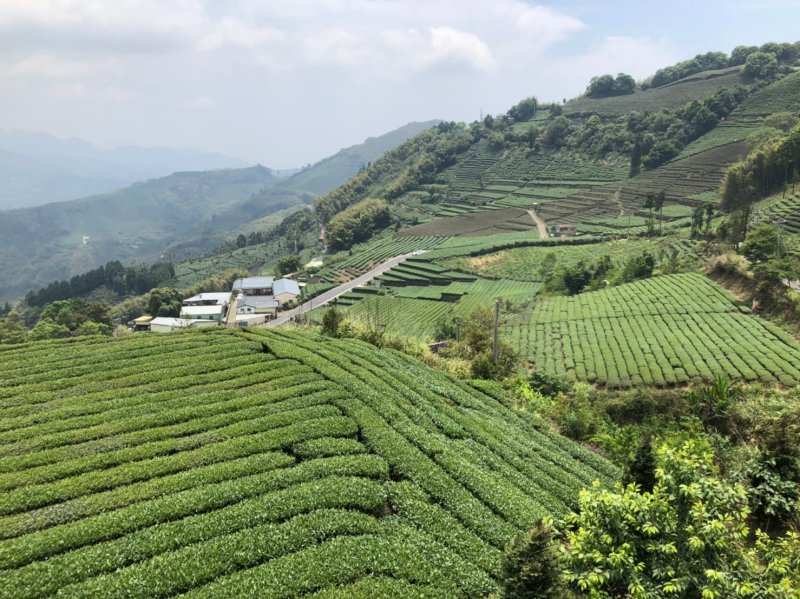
(40, 169)
(138, 223)
(183, 215)
(323, 176)
(279, 461)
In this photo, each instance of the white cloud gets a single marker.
(201, 103)
(49, 66)
(231, 32)
(637, 56)
(451, 45)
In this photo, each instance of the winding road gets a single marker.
(331, 294)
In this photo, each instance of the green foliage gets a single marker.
(556, 132)
(765, 170)
(524, 110)
(357, 223)
(48, 329)
(12, 329)
(606, 85)
(113, 275)
(531, 568)
(282, 461)
(666, 330)
(164, 301)
(288, 264)
(701, 62)
(642, 469)
(762, 243)
(331, 321)
(760, 65)
(687, 538)
(547, 385)
(414, 162)
(484, 365)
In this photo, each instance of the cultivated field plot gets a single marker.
(486, 222)
(674, 95)
(525, 263)
(347, 265)
(747, 121)
(413, 311)
(518, 165)
(668, 330)
(467, 246)
(191, 272)
(224, 464)
(781, 210)
(682, 180)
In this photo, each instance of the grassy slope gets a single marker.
(282, 462)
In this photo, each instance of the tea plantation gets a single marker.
(228, 464)
(666, 330)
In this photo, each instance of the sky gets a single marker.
(288, 82)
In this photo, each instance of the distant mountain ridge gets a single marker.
(187, 213)
(37, 168)
(328, 173)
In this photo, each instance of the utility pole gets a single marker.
(495, 346)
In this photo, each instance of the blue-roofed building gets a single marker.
(254, 285)
(285, 290)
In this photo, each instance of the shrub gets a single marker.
(357, 223)
(531, 566)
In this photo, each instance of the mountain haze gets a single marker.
(181, 215)
(37, 168)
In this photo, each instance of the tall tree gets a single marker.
(636, 158)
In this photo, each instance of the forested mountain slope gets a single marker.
(40, 244)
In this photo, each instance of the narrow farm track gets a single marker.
(305, 465)
(540, 224)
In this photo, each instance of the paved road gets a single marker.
(331, 294)
(540, 224)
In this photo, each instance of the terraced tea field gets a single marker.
(484, 222)
(524, 264)
(747, 121)
(413, 312)
(782, 210)
(347, 265)
(667, 330)
(225, 464)
(683, 180)
(674, 95)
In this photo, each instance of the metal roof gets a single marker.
(221, 297)
(167, 321)
(259, 301)
(253, 283)
(285, 286)
(197, 310)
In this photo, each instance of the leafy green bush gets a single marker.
(531, 568)
(357, 223)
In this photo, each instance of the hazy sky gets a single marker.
(287, 82)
